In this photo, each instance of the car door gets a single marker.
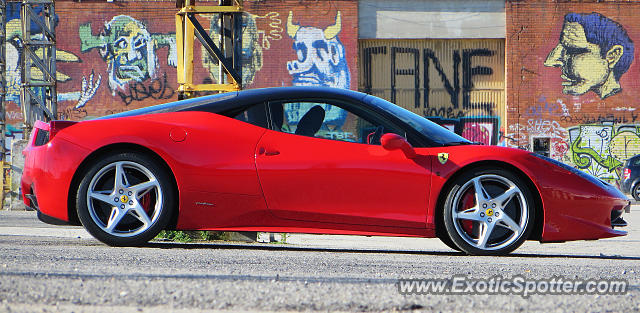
(321, 162)
(219, 185)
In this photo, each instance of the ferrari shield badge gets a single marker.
(443, 157)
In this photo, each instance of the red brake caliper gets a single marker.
(468, 201)
(145, 202)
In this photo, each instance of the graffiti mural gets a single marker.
(321, 56)
(321, 61)
(441, 79)
(114, 57)
(579, 86)
(521, 136)
(481, 129)
(14, 59)
(129, 50)
(251, 48)
(601, 150)
(593, 53)
(274, 39)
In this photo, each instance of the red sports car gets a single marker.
(305, 160)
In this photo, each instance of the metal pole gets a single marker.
(3, 92)
(3, 77)
(38, 96)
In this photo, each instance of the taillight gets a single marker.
(627, 173)
(57, 126)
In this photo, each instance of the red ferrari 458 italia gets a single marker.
(305, 160)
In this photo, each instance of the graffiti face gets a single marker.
(321, 62)
(582, 67)
(128, 51)
(251, 49)
(589, 62)
(321, 57)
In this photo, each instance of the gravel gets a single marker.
(48, 274)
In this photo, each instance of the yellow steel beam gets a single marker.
(201, 9)
(185, 40)
(208, 87)
(188, 52)
(180, 46)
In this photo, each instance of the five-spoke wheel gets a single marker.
(125, 199)
(488, 212)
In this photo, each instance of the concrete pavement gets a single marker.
(45, 268)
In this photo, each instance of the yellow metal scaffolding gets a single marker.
(227, 52)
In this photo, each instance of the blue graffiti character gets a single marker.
(321, 62)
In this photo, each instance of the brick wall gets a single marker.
(119, 56)
(579, 91)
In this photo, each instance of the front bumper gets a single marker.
(577, 206)
(584, 216)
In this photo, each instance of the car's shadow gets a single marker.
(284, 247)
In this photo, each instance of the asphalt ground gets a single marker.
(46, 268)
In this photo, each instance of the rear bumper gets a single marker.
(51, 220)
(32, 202)
(47, 175)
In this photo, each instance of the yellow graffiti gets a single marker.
(251, 49)
(625, 145)
(14, 32)
(275, 33)
(585, 66)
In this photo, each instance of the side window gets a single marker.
(324, 120)
(256, 115)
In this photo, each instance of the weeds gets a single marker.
(203, 235)
(189, 236)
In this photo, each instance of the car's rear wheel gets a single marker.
(125, 199)
(489, 211)
(448, 242)
(635, 191)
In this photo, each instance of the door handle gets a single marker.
(268, 152)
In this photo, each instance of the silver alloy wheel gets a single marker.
(128, 214)
(491, 212)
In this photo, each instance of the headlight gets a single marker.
(576, 171)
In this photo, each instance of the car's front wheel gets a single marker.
(125, 199)
(489, 211)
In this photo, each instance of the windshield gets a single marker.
(429, 129)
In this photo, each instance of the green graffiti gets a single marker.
(601, 150)
(582, 157)
(87, 40)
(129, 50)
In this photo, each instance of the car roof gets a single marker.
(225, 101)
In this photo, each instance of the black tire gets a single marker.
(494, 222)
(132, 210)
(447, 241)
(635, 191)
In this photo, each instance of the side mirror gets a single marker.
(392, 141)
